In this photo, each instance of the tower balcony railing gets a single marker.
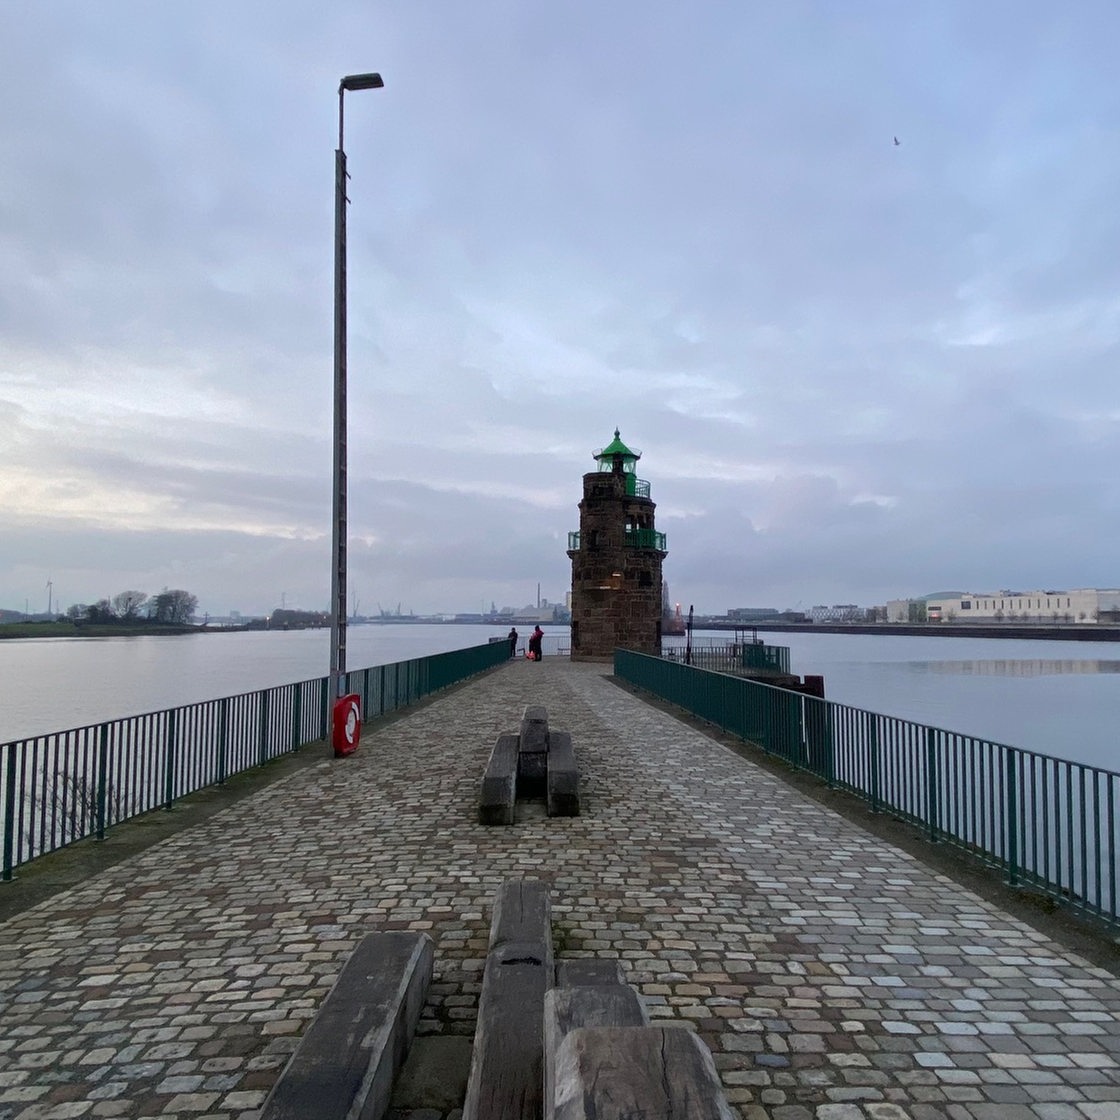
(635, 538)
(635, 487)
(645, 538)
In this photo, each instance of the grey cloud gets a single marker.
(857, 370)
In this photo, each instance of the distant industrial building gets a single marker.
(838, 612)
(752, 614)
(1083, 605)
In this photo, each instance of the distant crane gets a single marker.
(50, 595)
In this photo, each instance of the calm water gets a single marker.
(51, 684)
(1060, 698)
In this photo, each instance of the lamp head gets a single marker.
(360, 81)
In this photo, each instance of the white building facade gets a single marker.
(1083, 605)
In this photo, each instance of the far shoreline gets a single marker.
(1023, 631)
(14, 630)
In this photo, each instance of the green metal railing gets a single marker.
(645, 538)
(1044, 822)
(69, 785)
(634, 538)
(732, 657)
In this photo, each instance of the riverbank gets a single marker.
(97, 630)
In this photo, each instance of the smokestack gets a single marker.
(538, 596)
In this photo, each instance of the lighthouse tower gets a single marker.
(616, 560)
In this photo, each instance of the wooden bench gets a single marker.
(346, 1062)
(588, 993)
(581, 1050)
(533, 763)
(617, 1073)
(498, 794)
(562, 778)
(533, 749)
(506, 1080)
(603, 1061)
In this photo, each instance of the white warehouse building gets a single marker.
(1081, 605)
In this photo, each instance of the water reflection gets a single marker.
(1027, 667)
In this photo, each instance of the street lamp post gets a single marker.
(339, 534)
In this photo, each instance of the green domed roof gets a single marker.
(617, 447)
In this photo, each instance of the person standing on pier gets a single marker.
(535, 640)
(513, 642)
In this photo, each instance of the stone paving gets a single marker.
(833, 976)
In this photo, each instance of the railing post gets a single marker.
(933, 785)
(873, 744)
(767, 707)
(169, 760)
(1011, 820)
(262, 730)
(324, 708)
(820, 749)
(223, 740)
(826, 710)
(297, 705)
(9, 812)
(102, 778)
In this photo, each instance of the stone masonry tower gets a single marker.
(616, 561)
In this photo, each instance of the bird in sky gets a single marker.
(897, 142)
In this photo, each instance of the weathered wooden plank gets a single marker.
(568, 1009)
(599, 1005)
(532, 760)
(344, 1066)
(507, 1068)
(498, 792)
(523, 914)
(534, 728)
(618, 1073)
(563, 776)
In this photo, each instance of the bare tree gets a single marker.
(101, 611)
(68, 805)
(127, 604)
(175, 607)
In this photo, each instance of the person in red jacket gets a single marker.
(535, 639)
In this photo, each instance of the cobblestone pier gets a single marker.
(833, 976)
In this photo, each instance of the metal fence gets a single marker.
(68, 785)
(731, 657)
(1044, 822)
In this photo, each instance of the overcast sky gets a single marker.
(857, 370)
